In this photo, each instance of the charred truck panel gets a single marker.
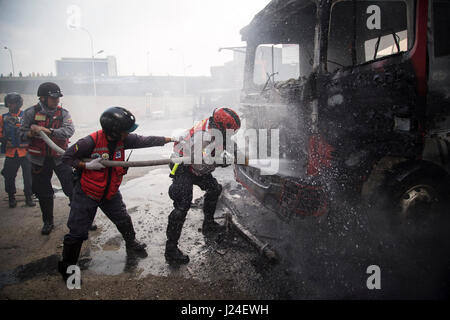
(360, 93)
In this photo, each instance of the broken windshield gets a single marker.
(282, 48)
(362, 31)
(276, 62)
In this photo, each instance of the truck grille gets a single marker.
(303, 200)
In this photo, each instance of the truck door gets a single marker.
(370, 87)
(437, 143)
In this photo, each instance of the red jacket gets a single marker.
(99, 184)
(38, 147)
(199, 126)
(189, 141)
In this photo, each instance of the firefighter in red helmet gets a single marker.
(186, 176)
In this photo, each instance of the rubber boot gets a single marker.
(12, 200)
(29, 201)
(131, 244)
(46, 205)
(70, 255)
(173, 254)
(210, 226)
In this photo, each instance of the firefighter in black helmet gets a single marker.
(49, 117)
(98, 186)
(15, 150)
(49, 89)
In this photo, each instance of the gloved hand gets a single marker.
(35, 129)
(95, 164)
(176, 138)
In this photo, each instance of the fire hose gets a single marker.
(231, 217)
(109, 163)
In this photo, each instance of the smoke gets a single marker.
(158, 37)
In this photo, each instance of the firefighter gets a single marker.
(99, 186)
(15, 150)
(185, 176)
(49, 117)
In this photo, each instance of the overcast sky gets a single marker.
(134, 31)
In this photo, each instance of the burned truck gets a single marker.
(360, 93)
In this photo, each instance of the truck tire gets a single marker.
(419, 201)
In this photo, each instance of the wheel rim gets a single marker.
(417, 200)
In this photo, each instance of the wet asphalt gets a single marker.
(320, 258)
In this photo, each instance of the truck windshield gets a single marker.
(280, 45)
(363, 30)
(276, 62)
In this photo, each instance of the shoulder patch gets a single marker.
(39, 117)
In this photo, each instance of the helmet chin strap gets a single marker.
(15, 110)
(212, 123)
(44, 101)
(113, 136)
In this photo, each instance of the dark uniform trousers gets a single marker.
(82, 214)
(9, 171)
(42, 177)
(181, 193)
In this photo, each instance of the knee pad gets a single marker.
(216, 191)
(219, 189)
(177, 215)
(176, 192)
(172, 192)
(181, 198)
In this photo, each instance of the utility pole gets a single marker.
(12, 62)
(92, 53)
(148, 62)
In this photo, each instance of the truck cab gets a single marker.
(360, 93)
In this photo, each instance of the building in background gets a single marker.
(82, 67)
(230, 75)
(281, 62)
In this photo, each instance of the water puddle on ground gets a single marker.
(149, 207)
(43, 266)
